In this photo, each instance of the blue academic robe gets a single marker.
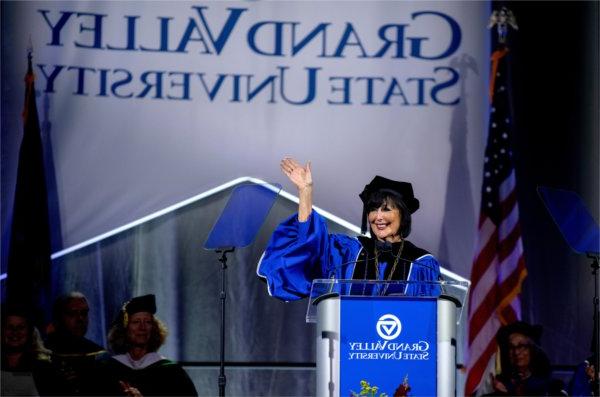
(299, 252)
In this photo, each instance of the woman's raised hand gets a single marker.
(300, 175)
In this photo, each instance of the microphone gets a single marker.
(382, 247)
(335, 268)
(386, 246)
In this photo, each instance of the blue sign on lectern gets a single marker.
(389, 343)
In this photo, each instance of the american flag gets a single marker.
(498, 268)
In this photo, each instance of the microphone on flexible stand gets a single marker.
(385, 247)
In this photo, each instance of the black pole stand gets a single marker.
(223, 260)
(596, 336)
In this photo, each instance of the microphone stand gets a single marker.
(223, 296)
(237, 226)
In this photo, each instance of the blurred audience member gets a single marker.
(73, 354)
(525, 367)
(583, 381)
(26, 366)
(137, 369)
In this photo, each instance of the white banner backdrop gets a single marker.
(150, 103)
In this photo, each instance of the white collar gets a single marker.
(147, 360)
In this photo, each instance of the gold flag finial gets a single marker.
(502, 19)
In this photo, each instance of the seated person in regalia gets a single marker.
(137, 369)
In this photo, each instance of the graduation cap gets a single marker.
(403, 190)
(534, 332)
(145, 303)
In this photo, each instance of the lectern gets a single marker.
(392, 337)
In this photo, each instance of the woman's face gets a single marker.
(385, 222)
(139, 329)
(519, 350)
(15, 332)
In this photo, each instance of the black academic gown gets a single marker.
(74, 360)
(163, 378)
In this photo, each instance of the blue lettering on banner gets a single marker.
(272, 88)
(200, 35)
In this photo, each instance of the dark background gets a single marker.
(554, 57)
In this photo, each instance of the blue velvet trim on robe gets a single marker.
(299, 252)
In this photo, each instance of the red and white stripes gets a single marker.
(496, 277)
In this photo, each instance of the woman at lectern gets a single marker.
(301, 249)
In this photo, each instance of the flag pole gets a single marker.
(29, 246)
(495, 301)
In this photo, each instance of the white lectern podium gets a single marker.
(397, 336)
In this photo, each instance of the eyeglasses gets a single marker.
(519, 348)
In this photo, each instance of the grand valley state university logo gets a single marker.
(388, 327)
(388, 347)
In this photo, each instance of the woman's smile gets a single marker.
(385, 222)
